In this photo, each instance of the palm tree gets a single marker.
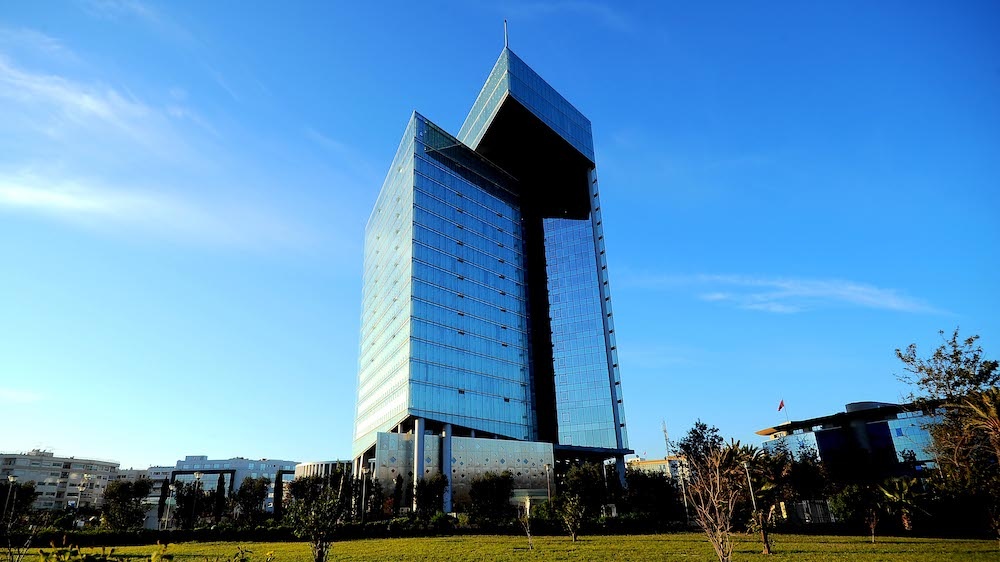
(983, 414)
(904, 496)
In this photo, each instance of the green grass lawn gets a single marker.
(683, 546)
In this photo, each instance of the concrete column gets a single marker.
(620, 467)
(418, 455)
(446, 466)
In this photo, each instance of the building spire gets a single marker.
(504, 34)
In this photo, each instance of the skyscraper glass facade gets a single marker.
(487, 310)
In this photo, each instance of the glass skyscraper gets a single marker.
(487, 333)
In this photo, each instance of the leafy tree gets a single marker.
(490, 498)
(397, 494)
(21, 524)
(249, 500)
(955, 370)
(807, 477)
(653, 496)
(219, 499)
(430, 495)
(123, 504)
(376, 499)
(279, 496)
(161, 506)
(191, 503)
(572, 511)
(307, 487)
(17, 498)
(317, 509)
(586, 481)
(859, 504)
(700, 441)
(958, 383)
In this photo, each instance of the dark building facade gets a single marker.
(868, 441)
(487, 336)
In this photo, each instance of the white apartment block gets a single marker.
(60, 482)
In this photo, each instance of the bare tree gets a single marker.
(572, 510)
(715, 488)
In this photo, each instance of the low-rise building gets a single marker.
(673, 466)
(322, 468)
(869, 440)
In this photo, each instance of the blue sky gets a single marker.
(791, 191)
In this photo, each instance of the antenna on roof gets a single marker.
(505, 34)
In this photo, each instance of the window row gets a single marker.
(456, 342)
(497, 244)
(446, 185)
(463, 359)
(451, 320)
(459, 283)
(482, 273)
(464, 251)
(500, 309)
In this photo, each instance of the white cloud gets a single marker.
(54, 100)
(789, 295)
(16, 396)
(103, 207)
(36, 42)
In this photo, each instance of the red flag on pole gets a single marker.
(781, 405)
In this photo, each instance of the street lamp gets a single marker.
(746, 467)
(12, 479)
(364, 492)
(194, 504)
(757, 515)
(166, 514)
(548, 487)
(80, 488)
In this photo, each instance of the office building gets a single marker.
(487, 332)
(60, 482)
(869, 440)
(323, 469)
(233, 471)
